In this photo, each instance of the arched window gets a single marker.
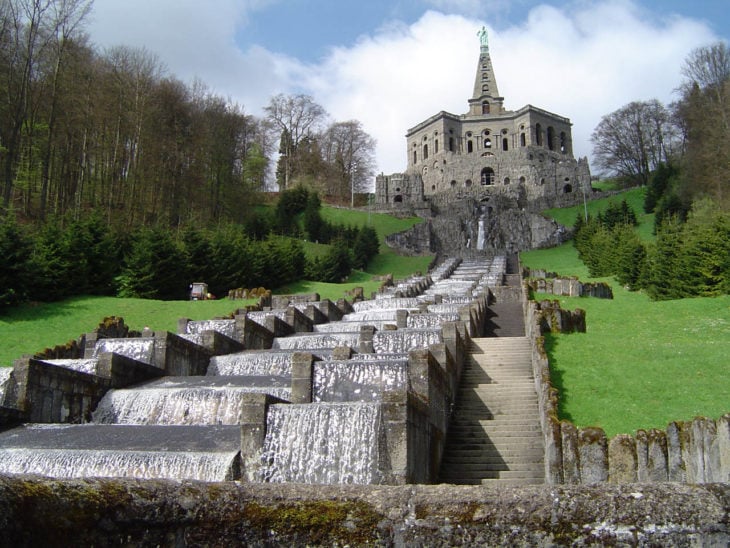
(522, 180)
(485, 107)
(415, 157)
(505, 144)
(538, 134)
(469, 146)
(467, 183)
(485, 87)
(506, 180)
(563, 142)
(551, 137)
(425, 152)
(451, 144)
(567, 189)
(436, 146)
(452, 183)
(398, 199)
(487, 176)
(487, 143)
(523, 141)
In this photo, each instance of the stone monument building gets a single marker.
(514, 159)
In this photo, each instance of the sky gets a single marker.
(393, 63)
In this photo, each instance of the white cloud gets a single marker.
(581, 64)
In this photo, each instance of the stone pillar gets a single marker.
(553, 453)
(571, 458)
(365, 341)
(593, 455)
(182, 325)
(723, 447)
(656, 453)
(401, 318)
(418, 372)
(254, 411)
(301, 377)
(677, 440)
(622, 462)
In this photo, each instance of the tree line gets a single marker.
(681, 154)
(89, 257)
(111, 132)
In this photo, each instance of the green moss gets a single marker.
(318, 521)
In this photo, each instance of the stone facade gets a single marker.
(503, 166)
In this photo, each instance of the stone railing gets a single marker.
(696, 451)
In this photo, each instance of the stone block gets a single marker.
(723, 448)
(301, 379)
(677, 440)
(593, 455)
(622, 459)
(571, 456)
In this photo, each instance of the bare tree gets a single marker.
(634, 139)
(297, 117)
(350, 151)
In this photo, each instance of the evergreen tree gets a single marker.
(313, 222)
(15, 267)
(366, 246)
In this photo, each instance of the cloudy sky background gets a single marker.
(393, 63)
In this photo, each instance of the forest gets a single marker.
(111, 132)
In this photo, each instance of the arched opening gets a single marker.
(505, 144)
(469, 146)
(451, 144)
(467, 183)
(485, 88)
(551, 138)
(452, 183)
(487, 176)
(436, 146)
(523, 140)
(522, 180)
(487, 143)
(563, 142)
(506, 180)
(567, 189)
(398, 199)
(485, 107)
(538, 134)
(425, 152)
(415, 157)
(433, 187)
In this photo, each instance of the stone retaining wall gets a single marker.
(43, 512)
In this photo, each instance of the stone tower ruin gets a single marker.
(495, 161)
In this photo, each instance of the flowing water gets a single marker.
(404, 340)
(186, 400)
(325, 443)
(316, 341)
(251, 363)
(82, 365)
(226, 327)
(140, 349)
(357, 380)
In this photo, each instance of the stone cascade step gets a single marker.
(494, 435)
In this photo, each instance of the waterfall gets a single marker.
(403, 340)
(481, 234)
(251, 363)
(186, 405)
(226, 327)
(82, 365)
(4, 376)
(357, 381)
(140, 349)
(75, 463)
(316, 341)
(325, 443)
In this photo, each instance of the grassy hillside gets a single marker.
(641, 364)
(31, 328)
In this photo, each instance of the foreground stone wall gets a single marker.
(36, 511)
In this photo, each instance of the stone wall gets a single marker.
(540, 281)
(104, 512)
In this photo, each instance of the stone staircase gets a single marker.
(494, 435)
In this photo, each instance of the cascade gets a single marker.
(367, 316)
(403, 340)
(207, 453)
(384, 303)
(73, 463)
(251, 363)
(316, 341)
(140, 349)
(423, 321)
(4, 376)
(82, 365)
(325, 443)
(186, 400)
(226, 327)
(358, 380)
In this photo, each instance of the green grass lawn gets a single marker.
(31, 328)
(641, 364)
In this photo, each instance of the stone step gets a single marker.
(489, 453)
(496, 474)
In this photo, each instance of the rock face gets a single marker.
(479, 224)
(37, 511)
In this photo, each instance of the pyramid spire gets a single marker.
(486, 99)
